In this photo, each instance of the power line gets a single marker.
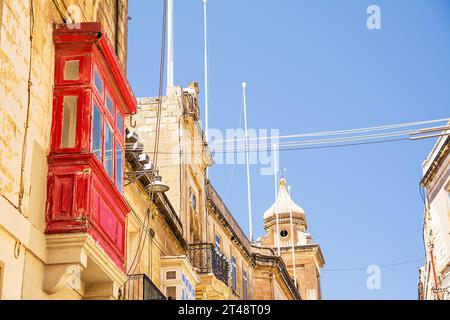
(299, 143)
(418, 135)
(363, 137)
(304, 148)
(331, 133)
(347, 131)
(345, 145)
(269, 140)
(390, 265)
(320, 141)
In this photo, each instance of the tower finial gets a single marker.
(283, 173)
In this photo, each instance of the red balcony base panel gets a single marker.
(82, 199)
(111, 251)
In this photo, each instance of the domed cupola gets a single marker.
(284, 203)
(287, 235)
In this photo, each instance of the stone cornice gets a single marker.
(225, 216)
(309, 247)
(297, 218)
(277, 264)
(76, 248)
(437, 162)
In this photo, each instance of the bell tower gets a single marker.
(286, 229)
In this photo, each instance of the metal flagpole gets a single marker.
(170, 60)
(249, 195)
(275, 175)
(206, 66)
(292, 237)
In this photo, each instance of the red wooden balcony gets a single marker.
(86, 160)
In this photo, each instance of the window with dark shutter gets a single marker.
(233, 273)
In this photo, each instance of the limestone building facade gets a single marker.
(209, 227)
(434, 276)
(78, 217)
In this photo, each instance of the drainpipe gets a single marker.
(433, 266)
(431, 252)
(272, 289)
(117, 28)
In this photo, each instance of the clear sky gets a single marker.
(313, 65)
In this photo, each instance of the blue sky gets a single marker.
(312, 65)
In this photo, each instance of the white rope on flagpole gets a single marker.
(205, 31)
(249, 194)
(275, 175)
(292, 238)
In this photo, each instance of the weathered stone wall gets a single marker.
(263, 288)
(27, 76)
(113, 14)
(268, 285)
(307, 272)
(180, 159)
(164, 243)
(437, 225)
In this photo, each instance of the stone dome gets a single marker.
(284, 203)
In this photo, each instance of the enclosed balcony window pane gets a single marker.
(69, 124)
(233, 272)
(108, 157)
(97, 132)
(71, 70)
(98, 82)
(119, 168)
(110, 105)
(244, 284)
(119, 122)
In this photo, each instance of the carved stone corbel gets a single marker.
(60, 276)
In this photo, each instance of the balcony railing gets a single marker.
(206, 259)
(140, 287)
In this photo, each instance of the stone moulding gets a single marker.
(77, 260)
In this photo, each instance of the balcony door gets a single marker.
(194, 227)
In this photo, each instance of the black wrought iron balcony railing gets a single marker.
(206, 259)
(140, 287)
